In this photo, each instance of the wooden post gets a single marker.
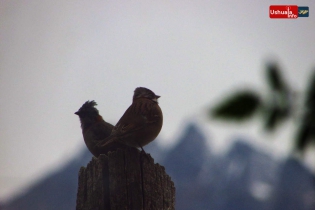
(124, 179)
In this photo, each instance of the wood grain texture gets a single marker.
(124, 179)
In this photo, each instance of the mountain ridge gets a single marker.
(242, 178)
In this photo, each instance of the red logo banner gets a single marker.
(283, 11)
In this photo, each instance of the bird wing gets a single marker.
(131, 121)
(139, 115)
(102, 130)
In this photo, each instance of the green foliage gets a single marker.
(274, 77)
(303, 137)
(310, 94)
(306, 130)
(239, 106)
(277, 108)
(273, 117)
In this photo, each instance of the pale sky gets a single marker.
(55, 55)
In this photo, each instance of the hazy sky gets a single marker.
(55, 55)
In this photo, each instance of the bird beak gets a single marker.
(77, 113)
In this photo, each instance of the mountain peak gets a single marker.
(187, 157)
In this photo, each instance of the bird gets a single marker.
(140, 124)
(94, 127)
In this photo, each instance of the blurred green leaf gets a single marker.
(271, 119)
(310, 93)
(306, 131)
(279, 109)
(303, 137)
(239, 106)
(274, 116)
(274, 77)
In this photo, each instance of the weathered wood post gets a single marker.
(124, 179)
